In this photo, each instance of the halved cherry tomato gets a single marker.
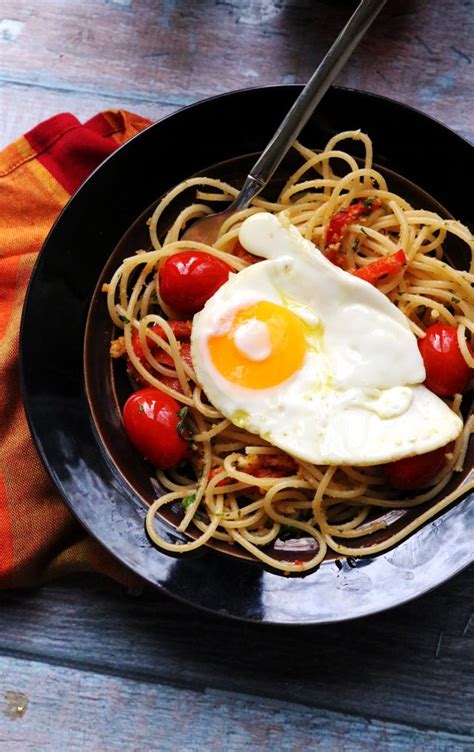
(239, 251)
(447, 373)
(172, 383)
(151, 421)
(137, 345)
(180, 329)
(185, 350)
(188, 279)
(413, 472)
(382, 267)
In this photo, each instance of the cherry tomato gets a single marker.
(151, 421)
(447, 373)
(413, 472)
(188, 279)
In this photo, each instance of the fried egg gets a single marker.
(315, 360)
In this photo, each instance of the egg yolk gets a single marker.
(281, 357)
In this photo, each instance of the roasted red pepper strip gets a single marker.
(338, 258)
(224, 482)
(382, 267)
(270, 466)
(340, 222)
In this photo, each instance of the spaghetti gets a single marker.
(237, 488)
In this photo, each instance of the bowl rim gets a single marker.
(28, 404)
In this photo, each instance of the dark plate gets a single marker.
(95, 223)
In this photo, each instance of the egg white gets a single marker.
(358, 397)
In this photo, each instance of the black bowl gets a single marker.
(80, 440)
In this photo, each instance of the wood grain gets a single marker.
(84, 666)
(413, 665)
(88, 714)
(173, 53)
(37, 105)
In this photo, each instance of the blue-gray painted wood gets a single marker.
(170, 54)
(39, 104)
(53, 709)
(412, 665)
(105, 670)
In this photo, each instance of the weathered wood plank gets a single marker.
(413, 665)
(175, 53)
(56, 708)
(22, 107)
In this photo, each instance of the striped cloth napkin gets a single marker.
(39, 537)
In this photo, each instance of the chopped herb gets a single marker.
(355, 244)
(124, 319)
(455, 300)
(182, 416)
(287, 532)
(141, 409)
(369, 202)
(187, 501)
(363, 231)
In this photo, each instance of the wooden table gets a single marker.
(86, 666)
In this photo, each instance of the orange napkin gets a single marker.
(39, 537)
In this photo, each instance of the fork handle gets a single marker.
(304, 106)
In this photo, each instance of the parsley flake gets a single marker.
(124, 319)
(187, 501)
(455, 300)
(141, 409)
(287, 532)
(355, 244)
(363, 231)
(182, 416)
